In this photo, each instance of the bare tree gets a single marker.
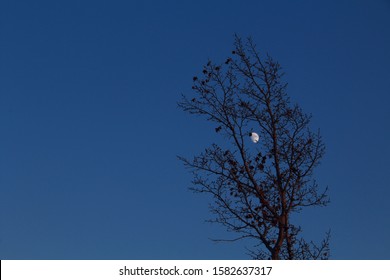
(257, 186)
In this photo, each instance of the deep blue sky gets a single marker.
(90, 129)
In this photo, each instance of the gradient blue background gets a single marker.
(90, 129)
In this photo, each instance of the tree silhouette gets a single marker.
(257, 187)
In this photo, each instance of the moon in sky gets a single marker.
(254, 137)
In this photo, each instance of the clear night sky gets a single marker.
(90, 129)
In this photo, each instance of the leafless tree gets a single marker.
(257, 187)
